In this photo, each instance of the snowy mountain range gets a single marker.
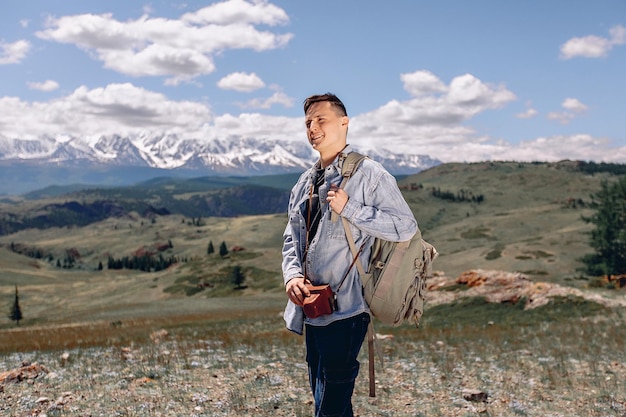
(32, 164)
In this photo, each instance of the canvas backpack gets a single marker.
(394, 284)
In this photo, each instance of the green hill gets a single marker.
(529, 219)
(508, 216)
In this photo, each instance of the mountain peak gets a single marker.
(234, 156)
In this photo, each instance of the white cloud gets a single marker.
(432, 123)
(420, 83)
(462, 99)
(529, 113)
(182, 48)
(277, 98)
(48, 85)
(255, 125)
(574, 105)
(241, 81)
(561, 117)
(237, 11)
(24, 23)
(593, 46)
(438, 124)
(13, 53)
(115, 109)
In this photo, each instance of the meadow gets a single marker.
(184, 341)
(565, 359)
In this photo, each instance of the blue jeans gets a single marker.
(332, 352)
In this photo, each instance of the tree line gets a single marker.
(460, 196)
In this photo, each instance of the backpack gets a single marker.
(394, 284)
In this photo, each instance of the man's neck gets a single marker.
(327, 158)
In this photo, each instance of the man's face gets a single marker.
(325, 129)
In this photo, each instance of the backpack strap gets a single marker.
(349, 163)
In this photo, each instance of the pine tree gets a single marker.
(238, 277)
(210, 249)
(223, 250)
(608, 239)
(16, 312)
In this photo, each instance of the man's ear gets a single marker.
(345, 121)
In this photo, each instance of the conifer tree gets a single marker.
(223, 249)
(608, 239)
(238, 277)
(210, 249)
(16, 312)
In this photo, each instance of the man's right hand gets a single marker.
(296, 290)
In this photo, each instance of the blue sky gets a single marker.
(457, 80)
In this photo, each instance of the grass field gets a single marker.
(183, 341)
(236, 359)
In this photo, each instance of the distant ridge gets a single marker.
(27, 165)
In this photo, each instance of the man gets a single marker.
(315, 246)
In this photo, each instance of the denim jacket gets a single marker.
(375, 208)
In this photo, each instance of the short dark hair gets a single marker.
(331, 98)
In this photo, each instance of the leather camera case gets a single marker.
(320, 302)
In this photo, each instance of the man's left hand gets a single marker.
(337, 199)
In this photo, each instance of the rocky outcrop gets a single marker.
(505, 287)
(25, 372)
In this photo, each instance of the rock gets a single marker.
(25, 373)
(159, 335)
(505, 287)
(475, 395)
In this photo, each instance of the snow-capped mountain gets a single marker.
(172, 154)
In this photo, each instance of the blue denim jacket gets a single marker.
(375, 208)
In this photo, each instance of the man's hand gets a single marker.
(297, 291)
(337, 199)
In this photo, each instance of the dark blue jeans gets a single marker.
(333, 367)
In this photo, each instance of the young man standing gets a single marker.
(315, 246)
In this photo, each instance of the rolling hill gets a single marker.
(506, 216)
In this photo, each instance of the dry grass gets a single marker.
(227, 353)
(240, 361)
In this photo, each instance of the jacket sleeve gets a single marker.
(291, 264)
(292, 267)
(382, 211)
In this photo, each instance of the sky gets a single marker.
(458, 80)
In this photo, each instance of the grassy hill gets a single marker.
(528, 220)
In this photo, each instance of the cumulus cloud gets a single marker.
(182, 48)
(432, 116)
(237, 11)
(48, 85)
(436, 124)
(265, 103)
(115, 109)
(255, 125)
(421, 83)
(572, 106)
(527, 114)
(593, 46)
(241, 81)
(13, 53)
